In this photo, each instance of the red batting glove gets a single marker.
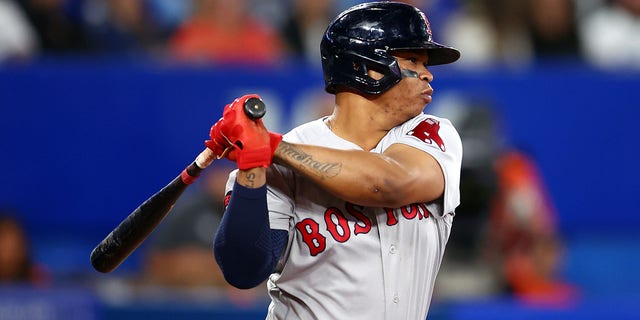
(274, 141)
(218, 144)
(253, 144)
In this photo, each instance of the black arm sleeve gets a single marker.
(245, 247)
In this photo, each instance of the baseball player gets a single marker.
(347, 216)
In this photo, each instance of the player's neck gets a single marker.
(355, 119)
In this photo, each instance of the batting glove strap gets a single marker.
(254, 157)
(274, 141)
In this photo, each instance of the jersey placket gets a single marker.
(391, 261)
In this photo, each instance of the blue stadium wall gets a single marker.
(83, 143)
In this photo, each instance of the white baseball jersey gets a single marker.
(345, 261)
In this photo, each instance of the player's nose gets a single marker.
(426, 75)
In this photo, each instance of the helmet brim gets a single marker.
(438, 53)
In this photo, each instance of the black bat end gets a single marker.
(101, 262)
(254, 108)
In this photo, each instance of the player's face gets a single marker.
(409, 97)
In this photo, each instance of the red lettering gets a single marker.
(410, 211)
(338, 225)
(391, 217)
(310, 231)
(425, 211)
(334, 227)
(359, 228)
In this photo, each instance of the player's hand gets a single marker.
(253, 144)
(219, 144)
(223, 147)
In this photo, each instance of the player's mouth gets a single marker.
(426, 94)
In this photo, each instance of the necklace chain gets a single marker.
(329, 124)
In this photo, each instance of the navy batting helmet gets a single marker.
(363, 37)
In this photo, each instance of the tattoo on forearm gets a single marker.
(305, 160)
(251, 179)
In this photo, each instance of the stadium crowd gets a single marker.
(605, 33)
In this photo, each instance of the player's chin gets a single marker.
(426, 98)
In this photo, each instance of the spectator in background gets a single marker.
(123, 26)
(552, 28)
(59, 32)
(513, 33)
(610, 35)
(464, 271)
(523, 238)
(17, 38)
(16, 265)
(479, 129)
(506, 239)
(305, 27)
(224, 31)
(169, 14)
(490, 32)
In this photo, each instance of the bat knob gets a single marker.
(254, 108)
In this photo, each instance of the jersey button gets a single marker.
(392, 249)
(396, 299)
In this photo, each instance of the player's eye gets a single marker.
(417, 61)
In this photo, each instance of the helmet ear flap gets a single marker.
(353, 71)
(385, 74)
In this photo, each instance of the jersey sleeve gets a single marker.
(230, 181)
(440, 139)
(280, 197)
(281, 181)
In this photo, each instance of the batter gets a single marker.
(347, 216)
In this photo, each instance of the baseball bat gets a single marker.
(139, 224)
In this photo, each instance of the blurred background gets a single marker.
(102, 102)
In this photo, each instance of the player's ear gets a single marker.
(374, 74)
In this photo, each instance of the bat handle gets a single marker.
(254, 108)
(205, 158)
